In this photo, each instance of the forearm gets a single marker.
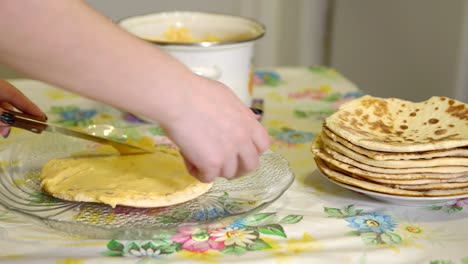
(70, 45)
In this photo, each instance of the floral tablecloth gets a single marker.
(315, 221)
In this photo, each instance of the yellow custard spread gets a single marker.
(185, 35)
(140, 180)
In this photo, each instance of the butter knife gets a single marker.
(33, 124)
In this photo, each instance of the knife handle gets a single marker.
(23, 121)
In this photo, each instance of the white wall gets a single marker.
(295, 28)
(400, 48)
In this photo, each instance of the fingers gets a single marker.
(248, 160)
(190, 167)
(11, 95)
(6, 106)
(230, 168)
(243, 156)
(205, 171)
(209, 173)
(4, 131)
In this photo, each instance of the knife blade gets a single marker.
(33, 124)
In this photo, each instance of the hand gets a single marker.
(217, 134)
(11, 98)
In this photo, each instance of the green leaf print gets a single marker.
(390, 238)
(115, 245)
(234, 250)
(258, 244)
(351, 211)
(300, 113)
(149, 245)
(169, 249)
(273, 229)
(346, 211)
(370, 238)
(353, 233)
(441, 262)
(291, 219)
(435, 207)
(260, 219)
(164, 241)
(332, 97)
(132, 246)
(227, 202)
(453, 209)
(464, 260)
(334, 212)
(42, 198)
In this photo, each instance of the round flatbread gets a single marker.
(142, 180)
(319, 149)
(382, 177)
(395, 125)
(367, 185)
(380, 155)
(343, 178)
(398, 164)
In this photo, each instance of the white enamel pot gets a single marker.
(226, 57)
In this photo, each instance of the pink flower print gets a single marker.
(257, 80)
(197, 240)
(461, 202)
(314, 94)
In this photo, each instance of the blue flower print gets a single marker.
(353, 94)
(73, 116)
(77, 115)
(269, 78)
(372, 222)
(239, 224)
(211, 214)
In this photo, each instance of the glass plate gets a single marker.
(24, 154)
(399, 199)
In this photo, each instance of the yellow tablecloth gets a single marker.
(315, 221)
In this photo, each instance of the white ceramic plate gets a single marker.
(398, 199)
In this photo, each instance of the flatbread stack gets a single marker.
(397, 147)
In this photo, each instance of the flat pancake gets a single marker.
(366, 185)
(343, 178)
(142, 180)
(433, 186)
(395, 125)
(462, 179)
(320, 150)
(419, 178)
(398, 164)
(381, 155)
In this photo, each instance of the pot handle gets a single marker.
(213, 72)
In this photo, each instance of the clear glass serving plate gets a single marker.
(23, 156)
